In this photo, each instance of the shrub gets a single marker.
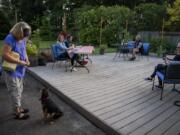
(111, 20)
(46, 29)
(36, 37)
(149, 16)
(31, 49)
(160, 47)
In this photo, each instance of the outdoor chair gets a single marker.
(0, 70)
(118, 49)
(145, 50)
(124, 49)
(56, 58)
(171, 76)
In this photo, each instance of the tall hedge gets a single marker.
(112, 19)
(149, 16)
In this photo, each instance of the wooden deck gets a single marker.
(115, 96)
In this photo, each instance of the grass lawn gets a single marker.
(47, 44)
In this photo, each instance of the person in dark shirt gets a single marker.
(162, 67)
(69, 41)
(138, 47)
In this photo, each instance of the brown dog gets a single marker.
(50, 109)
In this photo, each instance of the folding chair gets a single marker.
(56, 58)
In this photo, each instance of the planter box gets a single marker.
(46, 54)
(2, 79)
(33, 61)
(101, 51)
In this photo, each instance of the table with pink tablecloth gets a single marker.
(84, 51)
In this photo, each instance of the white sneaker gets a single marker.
(74, 69)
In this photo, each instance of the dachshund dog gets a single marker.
(50, 109)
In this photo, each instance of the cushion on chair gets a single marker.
(173, 70)
(130, 44)
(146, 47)
(0, 70)
(160, 75)
(174, 62)
(54, 51)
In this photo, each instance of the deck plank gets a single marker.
(167, 124)
(116, 93)
(174, 130)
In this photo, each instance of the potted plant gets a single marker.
(102, 49)
(32, 52)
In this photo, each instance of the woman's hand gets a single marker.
(73, 45)
(27, 61)
(23, 63)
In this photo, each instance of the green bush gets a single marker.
(46, 29)
(36, 37)
(112, 20)
(158, 46)
(149, 16)
(172, 24)
(31, 49)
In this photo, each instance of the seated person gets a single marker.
(162, 67)
(63, 51)
(137, 47)
(68, 41)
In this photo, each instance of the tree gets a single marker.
(109, 21)
(149, 16)
(4, 25)
(45, 29)
(12, 9)
(24, 10)
(31, 11)
(174, 17)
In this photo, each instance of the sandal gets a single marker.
(21, 116)
(132, 59)
(177, 103)
(159, 86)
(149, 79)
(23, 110)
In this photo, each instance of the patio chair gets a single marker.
(145, 50)
(118, 49)
(171, 76)
(146, 47)
(56, 58)
(130, 44)
(0, 70)
(124, 49)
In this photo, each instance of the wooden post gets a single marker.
(16, 19)
(64, 22)
(126, 25)
(162, 32)
(162, 35)
(100, 36)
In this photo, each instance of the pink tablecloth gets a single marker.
(84, 50)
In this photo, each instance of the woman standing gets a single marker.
(15, 41)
